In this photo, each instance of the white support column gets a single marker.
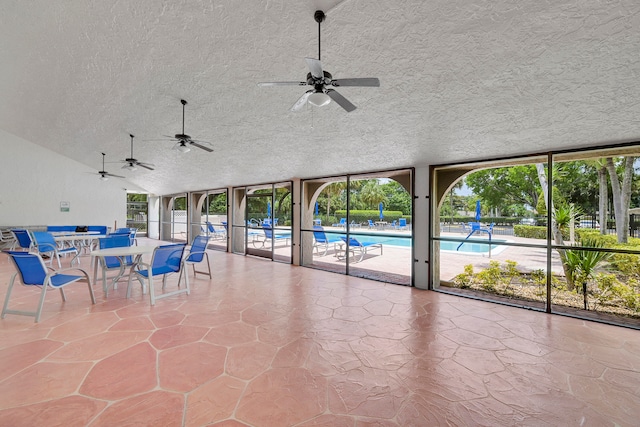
(153, 211)
(295, 223)
(421, 228)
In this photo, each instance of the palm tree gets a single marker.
(333, 189)
(372, 194)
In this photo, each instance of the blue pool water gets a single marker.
(470, 247)
(467, 247)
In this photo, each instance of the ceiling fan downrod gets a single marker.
(183, 102)
(319, 17)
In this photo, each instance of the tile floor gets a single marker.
(269, 344)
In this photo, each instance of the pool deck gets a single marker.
(396, 261)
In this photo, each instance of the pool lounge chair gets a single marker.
(342, 223)
(216, 233)
(322, 241)
(359, 249)
(270, 236)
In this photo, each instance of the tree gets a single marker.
(216, 203)
(505, 186)
(561, 216)
(372, 194)
(333, 190)
(397, 198)
(621, 195)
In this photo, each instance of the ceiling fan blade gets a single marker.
(113, 175)
(315, 66)
(266, 84)
(301, 101)
(145, 165)
(205, 148)
(363, 82)
(341, 100)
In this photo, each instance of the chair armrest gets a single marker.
(64, 270)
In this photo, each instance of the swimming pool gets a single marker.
(469, 247)
(474, 248)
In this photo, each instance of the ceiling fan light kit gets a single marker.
(319, 99)
(182, 147)
(319, 79)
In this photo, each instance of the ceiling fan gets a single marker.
(132, 163)
(184, 141)
(322, 80)
(104, 175)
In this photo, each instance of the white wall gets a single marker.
(34, 180)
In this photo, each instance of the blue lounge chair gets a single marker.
(32, 272)
(45, 243)
(360, 249)
(215, 233)
(321, 240)
(342, 223)
(371, 224)
(270, 236)
(402, 223)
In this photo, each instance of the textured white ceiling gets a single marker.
(460, 80)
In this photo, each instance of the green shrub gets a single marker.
(627, 264)
(464, 280)
(609, 288)
(530, 231)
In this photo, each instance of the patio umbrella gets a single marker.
(316, 213)
(381, 207)
(268, 209)
(478, 210)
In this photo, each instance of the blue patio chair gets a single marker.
(197, 254)
(31, 271)
(270, 236)
(22, 239)
(342, 223)
(45, 243)
(129, 231)
(371, 224)
(360, 249)
(110, 263)
(321, 240)
(166, 259)
(402, 223)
